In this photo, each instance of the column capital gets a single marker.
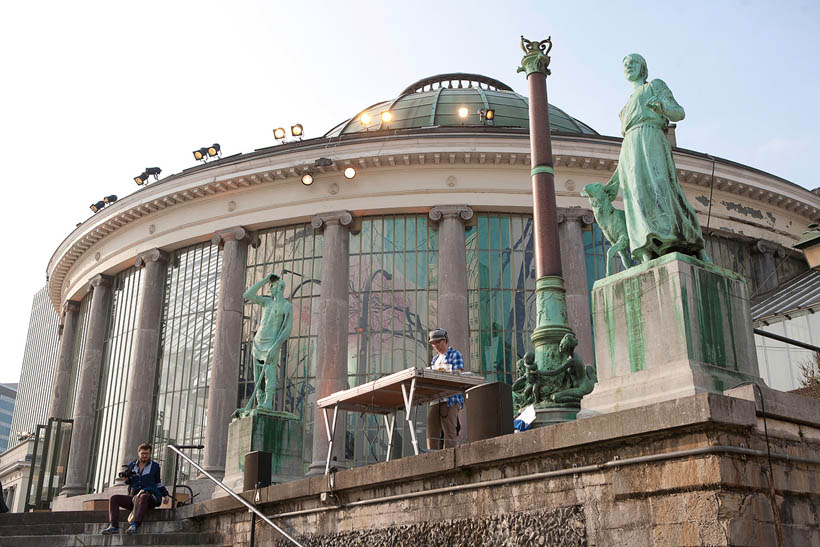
(343, 218)
(101, 280)
(461, 212)
(763, 246)
(70, 306)
(154, 255)
(575, 214)
(238, 233)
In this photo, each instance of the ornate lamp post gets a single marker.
(557, 379)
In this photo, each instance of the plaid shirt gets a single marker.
(452, 361)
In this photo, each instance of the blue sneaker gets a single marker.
(133, 529)
(112, 529)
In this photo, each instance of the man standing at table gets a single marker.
(443, 414)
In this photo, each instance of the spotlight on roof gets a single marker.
(323, 162)
(307, 179)
(153, 171)
(462, 112)
(387, 116)
(279, 133)
(365, 118)
(108, 200)
(214, 150)
(297, 130)
(201, 154)
(486, 114)
(142, 178)
(97, 207)
(350, 173)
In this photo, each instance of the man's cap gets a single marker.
(437, 334)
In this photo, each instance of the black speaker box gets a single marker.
(489, 411)
(257, 470)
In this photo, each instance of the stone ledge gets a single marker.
(779, 404)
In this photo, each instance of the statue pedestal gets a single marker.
(669, 328)
(279, 433)
(554, 415)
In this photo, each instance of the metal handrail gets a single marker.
(233, 494)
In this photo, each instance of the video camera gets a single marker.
(127, 473)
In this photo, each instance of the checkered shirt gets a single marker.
(452, 361)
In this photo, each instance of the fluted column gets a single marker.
(142, 374)
(88, 388)
(60, 386)
(453, 308)
(571, 222)
(764, 265)
(331, 355)
(224, 384)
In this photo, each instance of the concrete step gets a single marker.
(142, 539)
(64, 528)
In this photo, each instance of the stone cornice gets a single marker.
(343, 218)
(460, 212)
(154, 255)
(237, 233)
(575, 214)
(431, 151)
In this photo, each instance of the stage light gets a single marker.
(297, 130)
(307, 179)
(97, 207)
(201, 154)
(462, 112)
(214, 150)
(486, 114)
(365, 119)
(387, 116)
(323, 162)
(279, 133)
(153, 171)
(109, 199)
(142, 178)
(350, 173)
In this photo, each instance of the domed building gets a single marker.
(415, 213)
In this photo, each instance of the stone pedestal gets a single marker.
(279, 433)
(669, 328)
(554, 415)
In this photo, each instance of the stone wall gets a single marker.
(693, 471)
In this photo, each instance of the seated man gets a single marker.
(145, 491)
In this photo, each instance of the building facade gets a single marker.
(34, 388)
(150, 288)
(8, 396)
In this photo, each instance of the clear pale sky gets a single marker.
(93, 92)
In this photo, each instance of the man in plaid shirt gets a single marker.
(443, 414)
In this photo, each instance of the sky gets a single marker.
(91, 93)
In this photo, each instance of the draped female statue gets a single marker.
(659, 219)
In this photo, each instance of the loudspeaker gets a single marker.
(489, 411)
(257, 470)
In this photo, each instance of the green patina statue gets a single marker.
(536, 56)
(659, 219)
(274, 329)
(612, 221)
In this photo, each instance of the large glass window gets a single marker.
(393, 303)
(186, 350)
(117, 352)
(295, 253)
(501, 293)
(780, 363)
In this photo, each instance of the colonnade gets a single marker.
(331, 359)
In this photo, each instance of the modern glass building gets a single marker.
(8, 396)
(156, 279)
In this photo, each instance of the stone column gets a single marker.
(331, 354)
(764, 265)
(452, 276)
(88, 388)
(142, 374)
(224, 385)
(574, 265)
(60, 387)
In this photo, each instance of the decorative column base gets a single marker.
(672, 327)
(279, 433)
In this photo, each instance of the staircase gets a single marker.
(82, 529)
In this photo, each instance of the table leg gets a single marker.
(408, 405)
(331, 430)
(389, 424)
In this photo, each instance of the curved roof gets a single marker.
(435, 101)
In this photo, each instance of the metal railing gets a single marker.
(234, 495)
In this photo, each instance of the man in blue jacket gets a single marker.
(145, 491)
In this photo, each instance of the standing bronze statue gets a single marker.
(659, 219)
(274, 329)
